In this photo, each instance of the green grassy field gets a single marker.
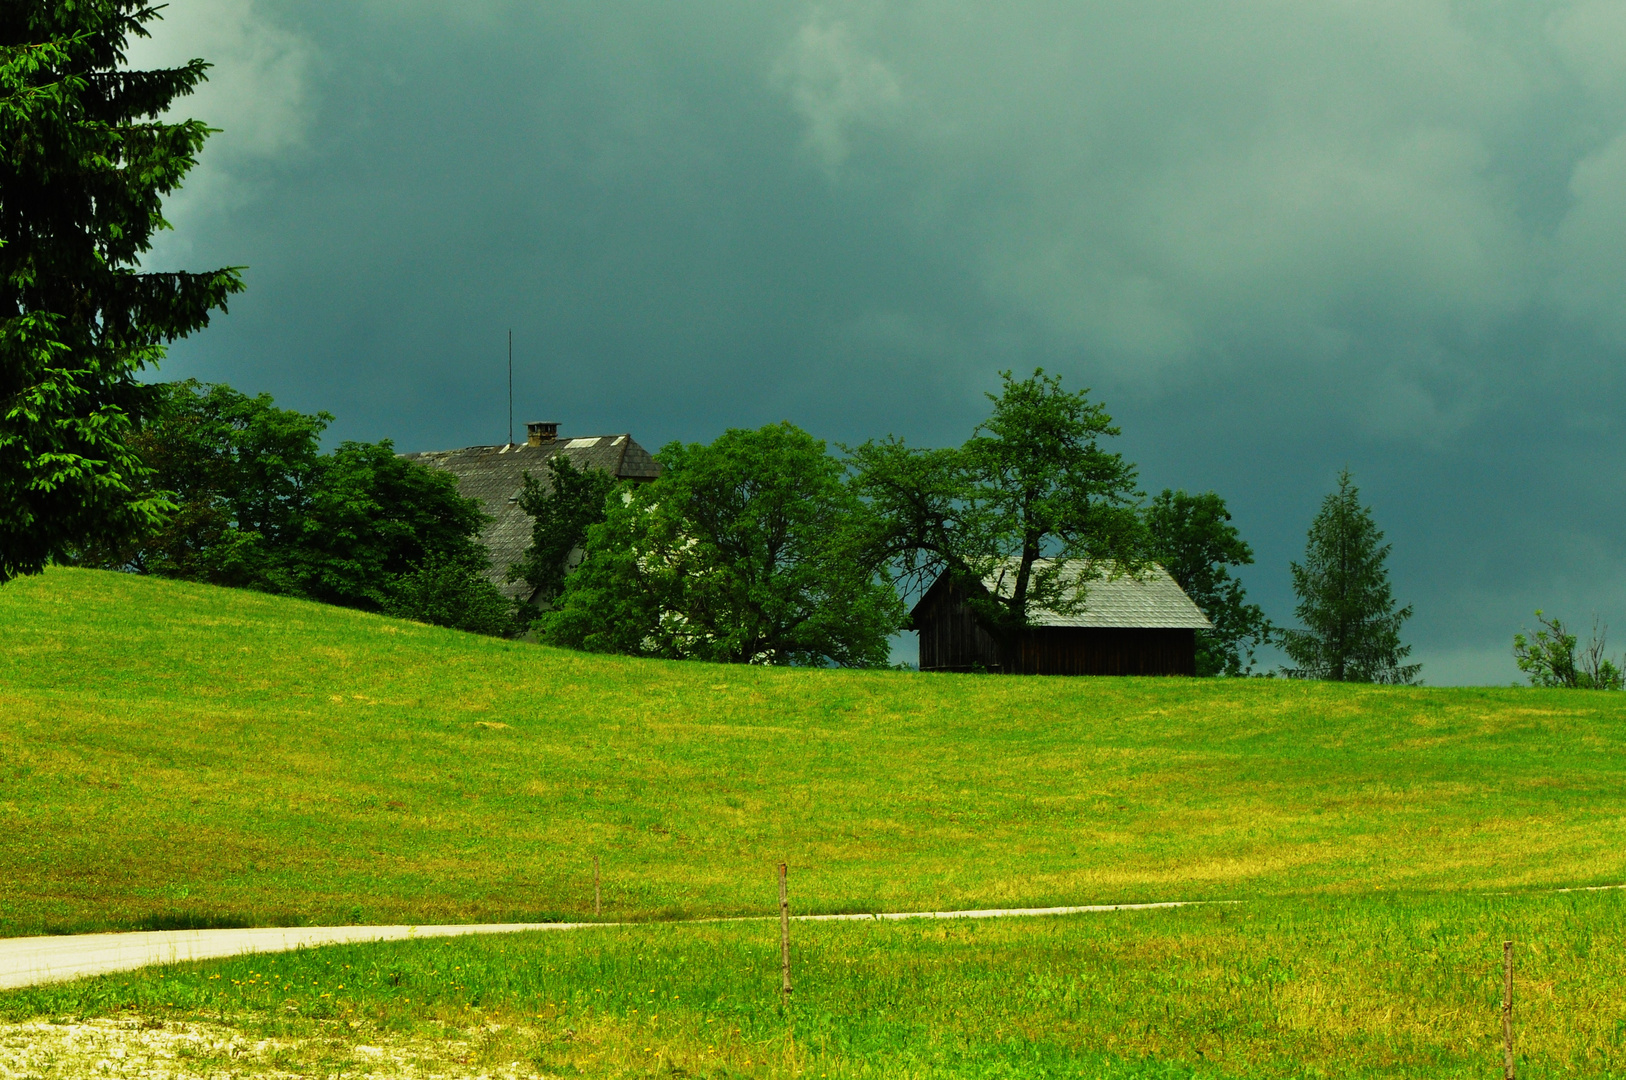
(175, 755)
(182, 755)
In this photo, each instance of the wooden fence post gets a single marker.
(784, 937)
(595, 887)
(1507, 1011)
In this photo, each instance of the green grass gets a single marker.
(174, 755)
(178, 755)
(1325, 987)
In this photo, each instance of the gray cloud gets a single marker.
(1276, 238)
(258, 91)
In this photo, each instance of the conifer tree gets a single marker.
(84, 165)
(1351, 628)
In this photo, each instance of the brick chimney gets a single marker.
(541, 432)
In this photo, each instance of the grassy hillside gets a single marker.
(174, 754)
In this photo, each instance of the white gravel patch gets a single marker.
(182, 1050)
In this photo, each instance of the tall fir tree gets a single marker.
(84, 165)
(1351, 630)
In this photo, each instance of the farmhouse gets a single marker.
(496, 475)
(1143, 625)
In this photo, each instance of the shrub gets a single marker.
(454, 592)
(1548, 657)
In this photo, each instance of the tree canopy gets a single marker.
(454, 591)
(84, 166)
(259, 505)
(1033, 483)
(1351, 630)
(239, 472)
(1193, 539)
(744, 551)
(563, 506)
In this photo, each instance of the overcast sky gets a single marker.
(1275, 238)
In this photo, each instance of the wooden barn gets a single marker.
(1143, 625)
(496, 475)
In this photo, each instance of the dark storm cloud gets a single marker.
(1276, 238)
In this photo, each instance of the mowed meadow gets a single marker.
(180, 755)
(175, 755)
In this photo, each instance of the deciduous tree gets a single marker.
(1034, 482)
(260, 506)
(1549, 657)
(563, 506)
(239, 471)
(453, 591)
(744, 551)
(1193, 539)
(371, 518)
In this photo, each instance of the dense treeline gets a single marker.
(253, 502)
(763, 546)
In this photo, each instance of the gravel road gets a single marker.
(33, 960)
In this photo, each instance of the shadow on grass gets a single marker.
(163, 920)
(238, 920)
(196, 920)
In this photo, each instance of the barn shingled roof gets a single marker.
(1151, 600)
(496, 475)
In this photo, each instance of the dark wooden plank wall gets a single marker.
(951, 640)
(1080, 650)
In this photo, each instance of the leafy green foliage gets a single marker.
(1193, 539)
(240, 473)
(1351, 628)
(562, 509)
(1042, 485)
(84, 166)
(453, 591)
(258, 505)
(1032, 483)
(372, 516)
(1549, 658)
(916, 528)
(744, 551)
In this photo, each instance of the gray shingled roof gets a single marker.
(1151, 601)
(496, 475)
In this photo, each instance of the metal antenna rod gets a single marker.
(510, 388)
